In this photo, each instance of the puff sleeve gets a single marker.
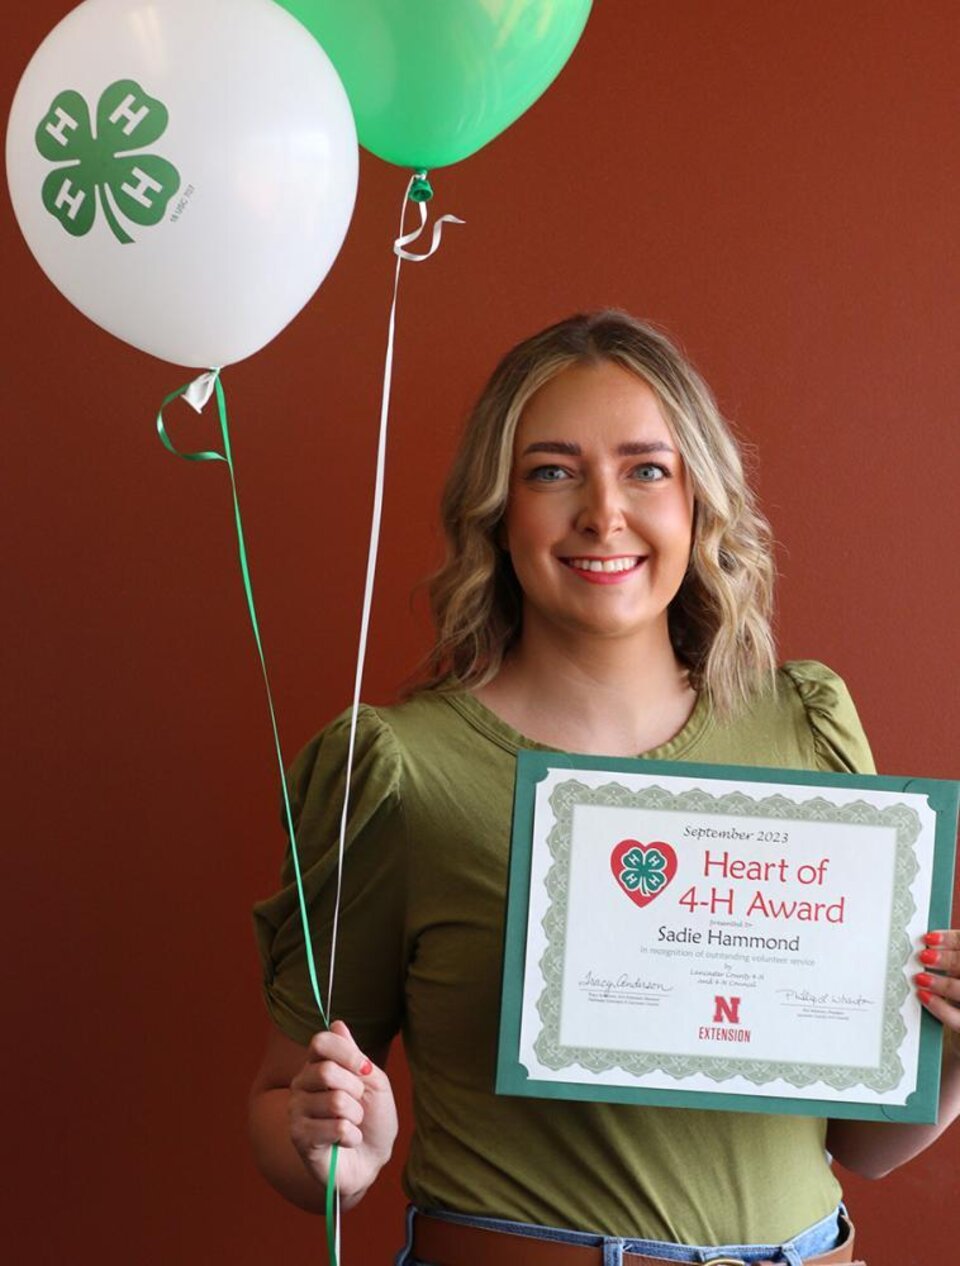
(839, 743)
(368, 984)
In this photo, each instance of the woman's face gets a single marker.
(599, 519)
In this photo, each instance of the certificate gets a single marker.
(723, 937)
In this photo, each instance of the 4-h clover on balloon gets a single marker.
(116, 115)
(139, 186)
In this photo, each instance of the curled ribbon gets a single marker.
(197, 393)
(417, 182)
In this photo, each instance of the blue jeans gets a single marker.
(819, 1238)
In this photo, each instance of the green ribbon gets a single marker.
(227, 457)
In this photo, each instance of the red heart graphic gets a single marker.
(646, 873)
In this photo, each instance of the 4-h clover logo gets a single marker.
(134, 185)
(643, 870)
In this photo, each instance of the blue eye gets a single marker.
(650, 473)
(547, 474)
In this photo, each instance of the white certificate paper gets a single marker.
(734, 934)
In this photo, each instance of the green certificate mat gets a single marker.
(723, 937)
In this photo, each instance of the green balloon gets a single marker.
(431, 81)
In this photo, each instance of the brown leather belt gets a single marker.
(437, 1242)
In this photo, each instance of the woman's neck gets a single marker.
(600, 696)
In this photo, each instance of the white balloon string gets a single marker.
(398, 248)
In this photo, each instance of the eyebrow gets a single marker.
(634, 448)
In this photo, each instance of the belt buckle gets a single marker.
(725, 1261)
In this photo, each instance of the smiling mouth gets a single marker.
(609, 565)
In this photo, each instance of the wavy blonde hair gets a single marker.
(719, 620)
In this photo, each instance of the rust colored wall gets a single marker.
(774, 182)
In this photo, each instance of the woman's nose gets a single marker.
(601, 512)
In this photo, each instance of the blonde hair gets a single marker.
(719, 620)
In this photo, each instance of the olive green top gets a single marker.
(420, 944)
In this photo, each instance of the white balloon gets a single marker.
(202, 243)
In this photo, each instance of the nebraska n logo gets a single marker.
(134, 185)
(726, 1010)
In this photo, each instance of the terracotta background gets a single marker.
(776, 183)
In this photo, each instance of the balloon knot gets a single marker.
(421, 190)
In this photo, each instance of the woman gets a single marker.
(607, 591)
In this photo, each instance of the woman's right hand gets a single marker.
(341, 1096)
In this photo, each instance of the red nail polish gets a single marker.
(366, 1068)
(924, 995)
(923, 979)
(929, 956)
(933, 938)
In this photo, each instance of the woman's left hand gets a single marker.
(938, 981)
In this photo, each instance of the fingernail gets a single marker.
(929, 956)
(924, 995)
(933, 938)
(366, 1068)
(923, 980)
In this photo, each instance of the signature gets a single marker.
(609, 984)
(826, 999)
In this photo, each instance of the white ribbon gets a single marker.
(402, 241)
(201, 389)
(406, 239)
